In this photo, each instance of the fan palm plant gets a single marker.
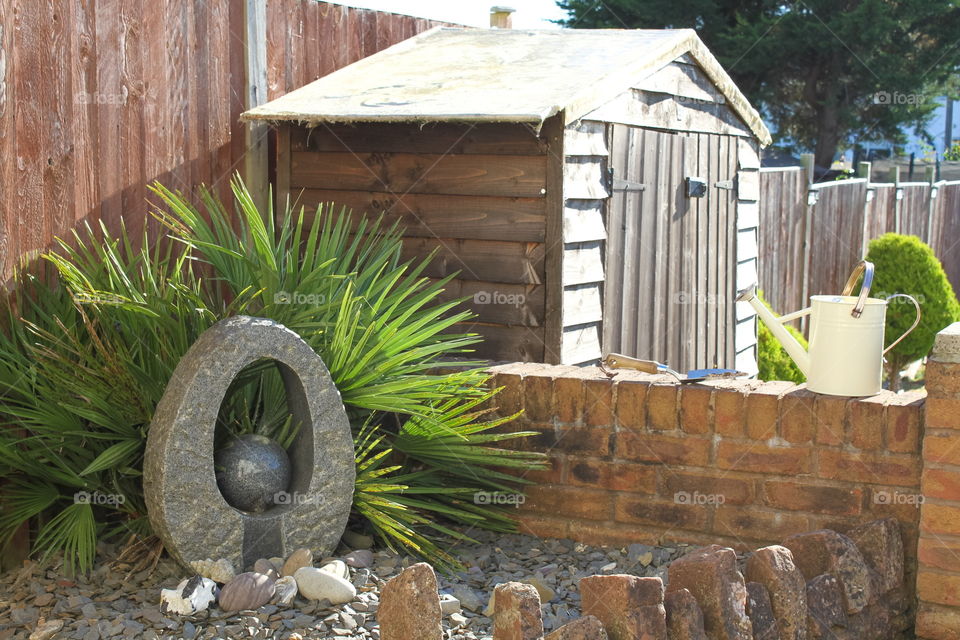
(84, 362)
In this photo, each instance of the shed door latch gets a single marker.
(725, 184)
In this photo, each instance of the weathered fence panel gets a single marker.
(811, 236)
(99, 98)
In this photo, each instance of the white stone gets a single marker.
(188, 602)
(286, 590)
(317, 584)
(337, 568)
(220, 571)
(448, 604)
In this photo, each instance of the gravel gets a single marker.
(115, 603)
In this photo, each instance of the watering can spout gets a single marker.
(775, 324)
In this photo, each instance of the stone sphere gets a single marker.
(251, 470)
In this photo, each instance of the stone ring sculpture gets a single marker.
(185, 506)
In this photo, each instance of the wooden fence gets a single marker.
(100, 97)
(812, 235)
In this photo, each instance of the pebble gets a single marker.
(115, 602)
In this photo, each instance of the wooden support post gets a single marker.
(929, 174)
(895, 178)
(553, 250)
(864, 169)
(256, 160)
(806, 161)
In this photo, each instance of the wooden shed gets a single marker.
(596, 190)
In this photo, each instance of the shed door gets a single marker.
(670, 259)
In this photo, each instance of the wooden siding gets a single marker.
(671, 260)
(97, 99)
(748, 221)
(585, 191)
(472, 193)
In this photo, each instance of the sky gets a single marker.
(530, 14)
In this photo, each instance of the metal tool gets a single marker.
(620, 361)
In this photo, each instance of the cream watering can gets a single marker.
(845, 357)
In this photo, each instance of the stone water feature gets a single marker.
(269, 510)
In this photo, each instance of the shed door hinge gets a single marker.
(616, 184)
(725, 184)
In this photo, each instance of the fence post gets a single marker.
(895, 178)
(864, 169)
(929, 175)
(806, 161)
(256, 160)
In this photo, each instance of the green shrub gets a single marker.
(773, 361)
(84, 362)
(904, 264)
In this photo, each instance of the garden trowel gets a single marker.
(619, 361)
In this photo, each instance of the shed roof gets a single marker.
(479, 75)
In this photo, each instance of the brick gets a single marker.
(827, 551)
(684, 617)
(802, 496)
(733, 490)
(938, 587)
(903, 424)
(866, 422)
(942, 378)
(510, 399)
(831, 419)
(410, 605)
(670, 450)
(942, 413)
(941, 483)
(662, 406)
(616, 476)
(941, 447)
(610, 533)
(695, 409)
(516, 614)
(555, 500)
(711, 576)
(598, 403)
(797, 416)
(583, 628)
(938, 553)
(755, 524)
(660, 513)
(632, 404)
(869, 468)
(551, 475)
(538, 397)
(751, 456)
(630, 608)
(577, 440)
(729, 418)
(760, 612)
(940, 518)
(936, 622)
(568, 400)
(763, 409)
(533, 524)
(773, 567)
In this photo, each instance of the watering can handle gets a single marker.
(912, 327)
(866, 269)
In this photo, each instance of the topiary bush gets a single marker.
(904, 264)
(772, 359)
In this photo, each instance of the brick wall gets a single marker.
(638, 458)
(938, 581)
